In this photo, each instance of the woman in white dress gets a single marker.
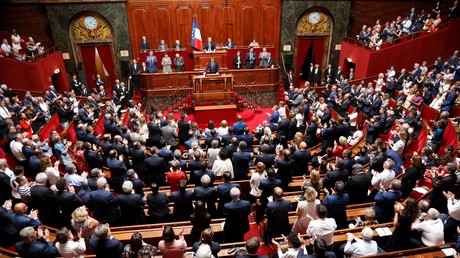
(50, 171)
(166, 63)
(223, 129)
(16, 40)
(306, 209)
(222, 164)
(256, 177)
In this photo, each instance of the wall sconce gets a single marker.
(349, 60)
(57, 71)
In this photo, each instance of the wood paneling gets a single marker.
(240, 20)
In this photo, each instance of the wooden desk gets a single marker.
(201, 59)
(215, 86)
(205, 113)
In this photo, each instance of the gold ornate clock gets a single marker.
(87, 27)
(314, 22)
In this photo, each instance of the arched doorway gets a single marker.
(94, 49)
(313, 41)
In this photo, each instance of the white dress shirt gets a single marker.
(72, 249)
(322, 228)
(16, 149)
(361, 248)
(454, 209)
(432, 232)
(385, 177)
(220, 166)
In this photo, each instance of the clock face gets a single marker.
(90, 22)
(314, 17)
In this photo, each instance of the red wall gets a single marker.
(403, 55)
(34, 76)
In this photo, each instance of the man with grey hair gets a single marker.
(431, 229)
(236, 217)
(385, 200)
(361, 247)
(385, 177)
(44, 199)
(131, 205)
(30, 247)
(358, 185)
(339, 173)
(207, 194)
(104, 245)
(104, 203)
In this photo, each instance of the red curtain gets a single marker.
(88, 57)
(302, 50)
(106, 56)
(318, 50)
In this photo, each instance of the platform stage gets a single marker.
(217, 112)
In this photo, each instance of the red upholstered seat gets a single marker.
(214, 103)
(226, 102)
(198, 104)
(207, 104)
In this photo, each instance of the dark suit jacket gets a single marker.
(158, 205)
(284, 172)
(212, 67)
(277, 213)
(182, 204)
(334, 176)
(301, 159)
(106, 248)
(44, 200)
(67, 202)
(5, 187)
(268, 159)
(240, 162)
(184, 127)
(236, 217)
(357, 187)
(438, 201)
(223, 193)
(209, 46)
(21, 221)
(36, 249)
(197, 174)
(384, 205)
(131, 209)
(283, 128)
(209, 196)
(156, 169)
(105, 206)
(235, 62)
(267, 186)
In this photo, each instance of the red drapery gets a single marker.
(318, 50)
(88, 58)
(106, 56)
(302, 50)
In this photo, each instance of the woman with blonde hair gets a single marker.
(314, 181)
(268, 133)
(82, 221)
(369, 219)
(306, 209)
(223, 129)
(257, 176)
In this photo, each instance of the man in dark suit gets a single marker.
(156, 168)
(250, 58)
(376, 103)
(267, 186)
(145, 45)
(301, 158)
(131, 206)
(311, 130)
(239, 125)
(117, 169)
(283, 128)
(248, 138)
(223, 192)
(199, 173)
(385, 201)
(21, 219)
(5, 185)
(277, 213)
(236, 217)
(339, 173)
(104, 245)
(184, 127)
(445, 184)
(182, 199)
(44, 200)
(207, 194)
(266, 158)
(76, 85)
(316, 75)
(31, 247)
(240, 161)
(212, 67)
(210, 138)
(348, 161)
(358, 185)
(209, 46)
(329, 71)
(158, 205)
(285, 167)
(104, 203)
(67, 200)
(237, 61)
(8, 232)
(134, 70)
(400, 79)
(373, 130)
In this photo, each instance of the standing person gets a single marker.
(103, 243)
(206, 239)
(138, 248)
(166, 63)
(405, 214)
(81, 221)
(237, 61)
(200, 220)
(251, 58)
(158, 205)
(171, 247)
(305, 211)
(134, 74)
(255, 180)
(30, 247)
(67, 247)
(179, 63)
(336, 204)
(212, 67)
(151, 61)
(145, 45)
(236, 217)
(277, 213)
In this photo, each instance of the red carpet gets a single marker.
(251, 118)
(258, 231)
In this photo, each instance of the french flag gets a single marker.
(197, 42)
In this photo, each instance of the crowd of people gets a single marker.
(63, 184)
(14, 48)
(429, 21)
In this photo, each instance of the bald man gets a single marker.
(301, 158)
(21, 220)
(277, 213)
(239, 125)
